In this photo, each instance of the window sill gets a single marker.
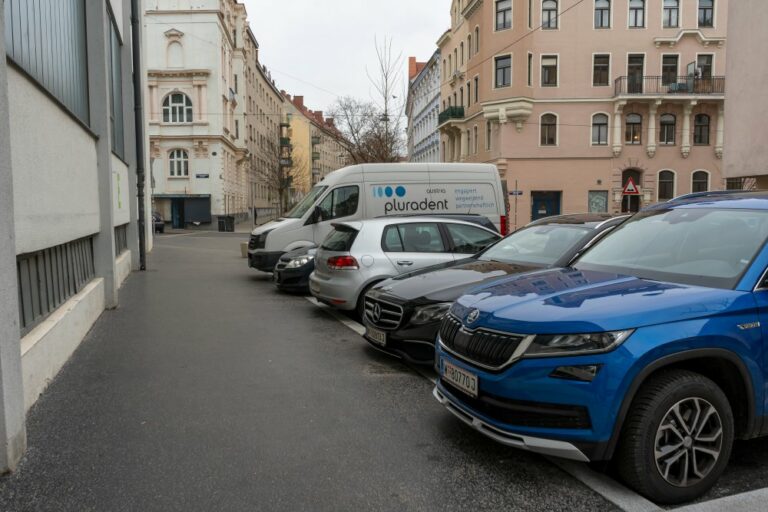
(178, 177)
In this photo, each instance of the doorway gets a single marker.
(631, 203)
(635, 69)
(177, 213)
(545, 204)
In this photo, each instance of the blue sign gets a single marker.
(515, 192)
(202, 176)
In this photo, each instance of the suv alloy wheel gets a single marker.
(677, 438)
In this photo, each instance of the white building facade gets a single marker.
(196, 105)
(68, 182)
(423, 109)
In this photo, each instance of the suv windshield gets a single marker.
(695, 246)
(537, 245)
(300, 209)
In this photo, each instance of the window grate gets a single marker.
(49, 277)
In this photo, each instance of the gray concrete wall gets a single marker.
(746, 95)
(12, 430)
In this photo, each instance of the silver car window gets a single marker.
(417, 237)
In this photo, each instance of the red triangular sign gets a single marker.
(630, 189)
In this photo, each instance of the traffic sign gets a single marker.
(515, 192)
(630, 189)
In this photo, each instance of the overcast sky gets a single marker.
(320, 48)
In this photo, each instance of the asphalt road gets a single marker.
(207, 390)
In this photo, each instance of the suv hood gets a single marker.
(561, 301)
(448, 281)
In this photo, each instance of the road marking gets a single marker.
(608, 488)
(359, 329)
(752, 501)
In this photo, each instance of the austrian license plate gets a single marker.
(462, 379)
(377, 336)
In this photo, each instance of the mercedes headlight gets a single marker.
(299, 262)
(575, 344)
(433, 312)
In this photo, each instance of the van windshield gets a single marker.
(300, 209)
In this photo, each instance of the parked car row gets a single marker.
(638, 341)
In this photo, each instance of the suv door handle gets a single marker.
(405, 263)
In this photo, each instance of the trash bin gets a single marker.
(227, 223)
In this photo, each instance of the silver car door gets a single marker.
(411, 246)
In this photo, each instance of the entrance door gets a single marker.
(635, 68)
(545, 204)
(630, 203)
(177, 213)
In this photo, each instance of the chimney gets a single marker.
(330, 122)
(299, 102)
(412, 72)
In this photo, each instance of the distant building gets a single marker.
(422, 109)
(68, 189)
(197, 106)
(318, 147)
(572, 100)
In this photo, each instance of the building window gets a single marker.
(179, 163)
(477, 89)
(706, 13)
(549, 71)
(461, 97)
(634, 130)
(637, 13)
(461, 46)
(602, 13)
(666, 186)
(177, 108)
(671, 14)
(734, 183)
(503, 71)
(600, 130)
(116, 92)
(704, 65)
(549, 130)
(701, 130)
(549, 14)
(530, 70)
(668, 127)
(469, 46)
(700, 182)
(503, 14)
(669, 66)
(477, 39)
(487, 135)
(600, 70)
(475, 139)
(469, 94)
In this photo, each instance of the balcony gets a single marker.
(450, 113)
(285, 142)
(315, 155)
(315, 140)
(660, 86)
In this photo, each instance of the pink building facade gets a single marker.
(573, 99)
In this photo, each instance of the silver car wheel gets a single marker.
(689, 441)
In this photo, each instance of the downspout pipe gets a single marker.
(138, 109)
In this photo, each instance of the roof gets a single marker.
(591, 220)
(731, 199)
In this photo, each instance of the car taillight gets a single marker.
(342, 263)
(504, 227)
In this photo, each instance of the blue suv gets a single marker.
(650, 350)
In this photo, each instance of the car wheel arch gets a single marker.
(738, 383)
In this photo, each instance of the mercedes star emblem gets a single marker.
(376, 313)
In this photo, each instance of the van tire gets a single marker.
(653, 408)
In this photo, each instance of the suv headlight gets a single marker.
(575, 344)
(426, 314)
(299, 262)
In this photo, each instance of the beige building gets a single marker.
(573, 99)
(265, 108)
(746, 153)
(318, 146)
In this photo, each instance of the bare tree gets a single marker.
(275, 166)
(374, 128)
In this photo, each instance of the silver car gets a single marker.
(357, 255)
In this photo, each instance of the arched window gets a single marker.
(549, 130)
(469, 46)
(666, 186)
(177, 108)
(179, 163)
(668, 126)
(634, 132)
(701, 130)
(700, 181)
(637, 13)
(477, 39)
(600, 130)
(602, 13)
(549, 14)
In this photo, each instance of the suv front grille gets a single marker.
(491, 350)
(389, 315)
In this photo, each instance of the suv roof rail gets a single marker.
(712, 193)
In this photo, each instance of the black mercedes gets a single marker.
(403, 314)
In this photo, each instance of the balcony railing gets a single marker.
(655, 85)
(315, 155)
(450, 113)
(315, 140)
(285, 141)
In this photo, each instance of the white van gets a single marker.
(373, 190)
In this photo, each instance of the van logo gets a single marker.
(389, 191)
(751, 325)
(473, 316)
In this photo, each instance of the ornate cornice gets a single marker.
(703, 39)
